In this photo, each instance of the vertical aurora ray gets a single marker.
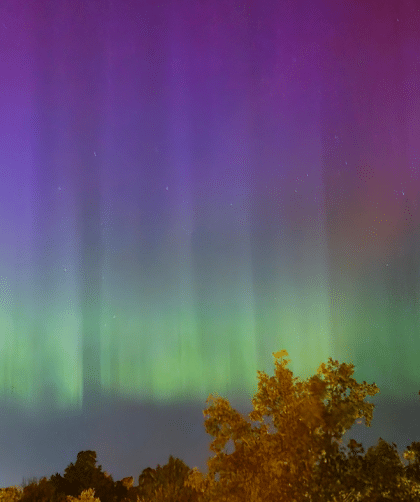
(178, 355)
(86, 82)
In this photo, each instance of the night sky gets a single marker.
(187, 186)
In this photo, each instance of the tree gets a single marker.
(166, 483)
(339, 414)
(295, 460)
(125, 491)
(383, 471)
(412, 454)
(11, 494)
(42, 491)
(82, 475)
(379, 475)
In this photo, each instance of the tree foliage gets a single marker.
(85, 496)
(303, 458)
(82, 475)
(11, 494)
(166, 484)
(41, 491)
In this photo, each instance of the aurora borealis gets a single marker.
(189, 186)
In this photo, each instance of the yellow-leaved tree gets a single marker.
(11, 494)
(302, 459)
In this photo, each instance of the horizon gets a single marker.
(386, 423)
